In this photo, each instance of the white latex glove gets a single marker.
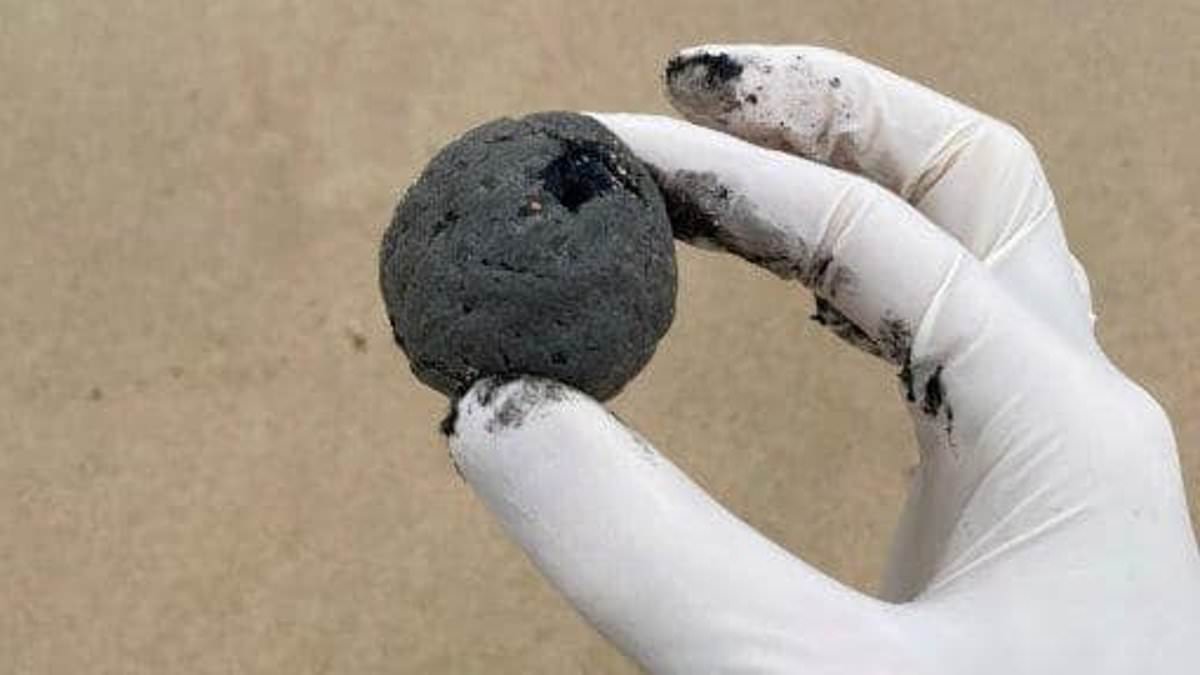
(1046, 530)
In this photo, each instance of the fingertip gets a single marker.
(701, 83)
(500, 404)
(667, 143)
(735, 51)
(506, 411)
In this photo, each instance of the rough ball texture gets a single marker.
(536, 246)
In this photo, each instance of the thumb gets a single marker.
(677, 582)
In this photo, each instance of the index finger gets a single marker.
(937, 154)
(973, 176)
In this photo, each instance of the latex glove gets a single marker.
(1046, 530)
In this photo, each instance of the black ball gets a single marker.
(536, 246)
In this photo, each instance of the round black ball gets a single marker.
(535, 246)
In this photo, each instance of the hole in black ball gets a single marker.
(578, 175)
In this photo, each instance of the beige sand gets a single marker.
(212, 459)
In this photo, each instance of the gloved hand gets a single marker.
(1046, 530)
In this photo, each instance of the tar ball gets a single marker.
(534, 246)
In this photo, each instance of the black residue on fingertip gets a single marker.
(895, 341)
(675, 66)
(516, 408)
(935, 394)
(840, 325)
(706, 82)
(752, 99)
(835, 82)
(718, 68)
(705, 212)
(925, 388)
(486, 388)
